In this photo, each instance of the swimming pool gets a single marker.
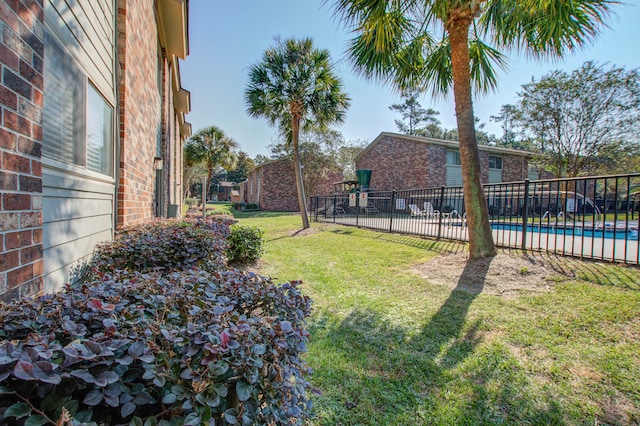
(568, 230)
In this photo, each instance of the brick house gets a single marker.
(272, 185)
(401, 162)
(91, 130)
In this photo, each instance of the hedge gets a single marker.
(185, 344)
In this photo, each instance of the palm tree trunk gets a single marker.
(480, 239)
(295, 133)
(208, 183)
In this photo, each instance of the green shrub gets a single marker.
(245, 243)
(238, 205)
(217, 213)
(179, 348)
(191, 202)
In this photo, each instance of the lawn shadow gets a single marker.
(601, 273)
(260, 214)
(423, 243)
(446, 373)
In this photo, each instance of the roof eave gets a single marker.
(174, 18)
(442, 142)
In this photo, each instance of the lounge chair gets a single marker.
(415, 210)
(429, 210)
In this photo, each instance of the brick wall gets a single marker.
(514, 168)
(398, 163)
(21, 88)
(437, 166)
(278, 186)
(140, 110)
(484, 166)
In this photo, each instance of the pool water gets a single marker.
(619, 234)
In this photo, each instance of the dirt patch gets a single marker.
(303, 232)
(505, 274)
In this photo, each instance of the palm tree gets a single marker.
(294, 87)
(212, 148)
(444, 44)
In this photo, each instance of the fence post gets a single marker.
(525, 215)
(357, 208)
(440, 208)
(314, 213)
(393, 202)
(335, 207)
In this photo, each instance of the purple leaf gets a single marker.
(285, 326)
(93, 398)
(127, 409)
(112, 400)
(70, 326)
(137, 349)
(84, 375)
(24, 371)
(106, 378)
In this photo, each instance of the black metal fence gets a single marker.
(588, 217)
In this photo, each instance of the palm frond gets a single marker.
(295, 78)
(484, 60)
(546, 28)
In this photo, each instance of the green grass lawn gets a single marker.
(390, 348)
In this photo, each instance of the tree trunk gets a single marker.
(209, 177)
(480, 238)
(295, 133)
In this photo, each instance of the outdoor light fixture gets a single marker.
(157, 161)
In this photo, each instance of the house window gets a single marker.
(77, 122)
(99, 133)
(454, 170)
(495, 169)
(495, 162)
(453, 158)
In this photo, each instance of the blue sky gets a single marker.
(227, 36)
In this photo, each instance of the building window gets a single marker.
(453, 158)
(495, 162)
(77, 122)
(99, 133)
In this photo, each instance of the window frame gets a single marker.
(86, 84)
(456, 157)
(496, 157)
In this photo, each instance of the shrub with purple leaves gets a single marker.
(169, 348)
(167, 245)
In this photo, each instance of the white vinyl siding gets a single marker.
(78, 135)
(495, 169)
(77, 213)
(454, 169)
(86, 29)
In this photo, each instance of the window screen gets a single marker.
(63, 108)
(77, 121)
(99, 133)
